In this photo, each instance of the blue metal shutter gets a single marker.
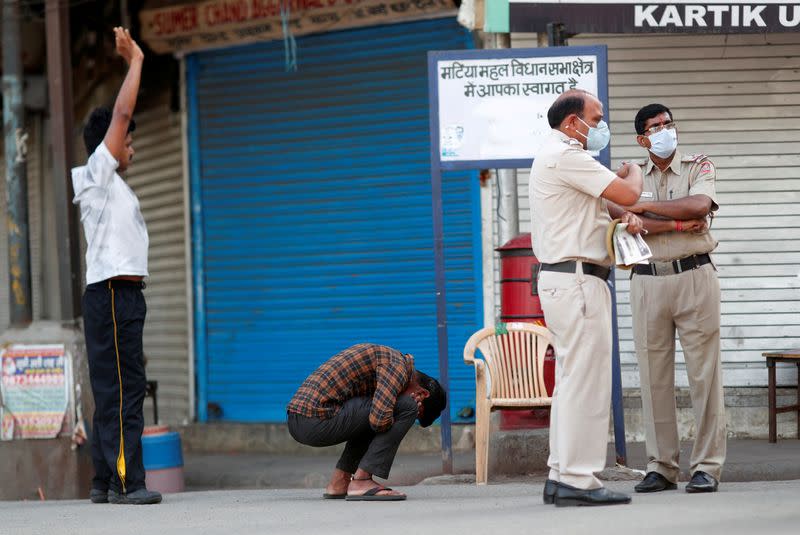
(316, 210)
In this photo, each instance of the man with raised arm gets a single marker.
(113, 305)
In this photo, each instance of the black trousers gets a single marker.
(372, 452)
(113, 319)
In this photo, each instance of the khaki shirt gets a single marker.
(686, 175)
(569, 218)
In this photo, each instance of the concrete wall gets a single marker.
(275, 438)
(746, 411)
(50, 465)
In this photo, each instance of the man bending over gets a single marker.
(367, 396)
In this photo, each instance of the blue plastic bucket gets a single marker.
(163, 460)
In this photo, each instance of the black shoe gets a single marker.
(549, 493)
(654, 482)
(567, 496)
(702, 482)
(98, 496)
(137, 497)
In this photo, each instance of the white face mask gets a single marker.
(664, 143)
(598, 136)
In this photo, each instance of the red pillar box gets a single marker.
(519, 301)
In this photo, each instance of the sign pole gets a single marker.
(617, 408)
(441, 312)
(438, 253)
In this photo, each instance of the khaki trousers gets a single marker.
(577, 309)
(688, 302)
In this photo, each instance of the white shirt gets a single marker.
(569, 218)
(116, 236)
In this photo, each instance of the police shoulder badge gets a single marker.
(694, 157)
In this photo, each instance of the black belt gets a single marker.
(570, 266)
(118, 283)
(678, 266)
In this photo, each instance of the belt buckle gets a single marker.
(676, 264)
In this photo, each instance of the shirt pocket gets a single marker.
(678, 188)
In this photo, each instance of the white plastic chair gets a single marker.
(510, 375)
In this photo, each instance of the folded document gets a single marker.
(628, 248)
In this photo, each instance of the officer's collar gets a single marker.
(565, 138)
(674, 165)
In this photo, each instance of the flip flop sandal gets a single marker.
(372, 496)
(327, 496)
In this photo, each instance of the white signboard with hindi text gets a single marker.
(35, 385)
(492, 104)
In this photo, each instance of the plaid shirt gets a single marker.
(362, 370)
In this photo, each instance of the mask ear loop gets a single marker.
(578, 131)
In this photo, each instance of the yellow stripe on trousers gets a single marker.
(121, 456)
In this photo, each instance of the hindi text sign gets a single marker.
(495, 109)
(34, 385)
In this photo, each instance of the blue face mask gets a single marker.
(598, 137)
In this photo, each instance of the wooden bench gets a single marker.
(793, 356)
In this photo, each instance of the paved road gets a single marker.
(746, 508)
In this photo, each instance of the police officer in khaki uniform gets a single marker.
(568, 192)
(679, 290)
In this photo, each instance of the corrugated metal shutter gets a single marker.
(34, 179)
(737, 99)
(317, 212)
(156, 177)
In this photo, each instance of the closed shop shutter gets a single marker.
(156, 177)
(316, 206)
(737, 99)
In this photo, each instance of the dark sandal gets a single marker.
(372, 496)
(327, 496)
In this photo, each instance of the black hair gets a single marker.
(96, 128)
(435, 403)
(565, 106)
(647, 113)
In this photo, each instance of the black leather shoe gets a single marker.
(98, 496)
(702, 482)
(654, 482)
(137, 497)
(567, 496)
(549, 493)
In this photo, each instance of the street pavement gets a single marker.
(748, 508)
